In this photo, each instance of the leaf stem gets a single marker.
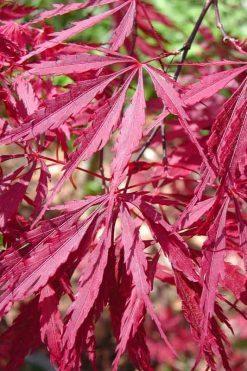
(78, 168)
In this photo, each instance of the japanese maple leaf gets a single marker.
(214, 252)
(136, 265)
(75, 29)
(25, 271)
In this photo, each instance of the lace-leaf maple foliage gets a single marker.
(120, 100)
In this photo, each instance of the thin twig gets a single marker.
(148, 142)
(101, 169)
(219, 23)
(143, 149)
(192, 36)
(163, 138)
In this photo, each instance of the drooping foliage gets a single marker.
(175, 218)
